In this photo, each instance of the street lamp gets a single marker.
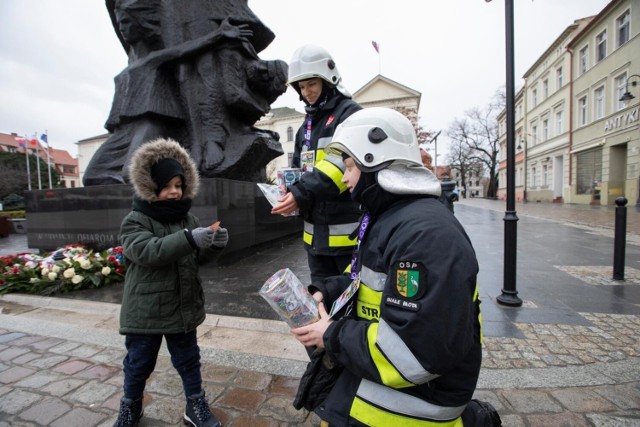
(627, 96)
(509, 294)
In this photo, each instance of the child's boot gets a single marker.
(130, 412)
(197, 412)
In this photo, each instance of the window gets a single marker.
(289, 133)
(622, 28)
(544, 175)
(534, 178)
(559, 78)
(601, 46)
(545, 89)
(589, 176)
(621, 82)
(534, 97)
(534, 135)
(289, 159)
(584, 59)
(582, 111)
(598, 103)
(545, 129)
(559, 122)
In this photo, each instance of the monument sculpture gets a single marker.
(193, 75)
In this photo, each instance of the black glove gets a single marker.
(317, 381)
(220, 238)
(202, 237)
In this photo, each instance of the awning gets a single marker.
(586, 147)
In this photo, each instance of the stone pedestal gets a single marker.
(92, 215)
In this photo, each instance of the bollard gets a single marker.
(619, 242)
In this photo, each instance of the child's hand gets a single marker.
(220, 237)
(203, 237)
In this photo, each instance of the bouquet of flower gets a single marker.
(71, 268)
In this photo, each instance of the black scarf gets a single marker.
(163, 210)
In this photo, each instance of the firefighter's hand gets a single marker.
(286, 205)
(311, 335)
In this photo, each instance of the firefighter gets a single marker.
(329, 214)
(408, 342)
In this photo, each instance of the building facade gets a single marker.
(579, 141)
(60, 160)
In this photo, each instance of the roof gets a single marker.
(593, 21)
(59, 157)
(388, 81)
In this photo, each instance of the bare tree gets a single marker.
(459, 158)
(477, 136)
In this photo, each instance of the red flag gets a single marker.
(33, 141)
(375, 46)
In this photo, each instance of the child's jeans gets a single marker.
(142, 353)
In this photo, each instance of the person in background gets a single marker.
(163, 244)
(408, 340)
(330, 216)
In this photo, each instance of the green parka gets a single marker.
(162, 291)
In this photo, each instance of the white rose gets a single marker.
(29, 264)
(44, 271)
(105, 271)
(52, 276)
(69, 273)
(85, 264)
(77, 279)
(55, 269)
(33, 280)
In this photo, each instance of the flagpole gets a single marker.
(379, 61)
(26, 156)
(35, 139)
(46, 140)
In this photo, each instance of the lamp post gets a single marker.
(626, 97)
(509, 294)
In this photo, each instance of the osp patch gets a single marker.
(410, 280)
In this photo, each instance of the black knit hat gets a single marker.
(164, 171)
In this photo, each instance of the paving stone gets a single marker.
(46, 411)
(168, 410)
(242, 399)
(605, 420)
(281, 409)
(17, 401)
(14, 374)
(489, 396)
(37, 380)
(565, 419)
(46, 343)
(248, 421)
(512, 420)
(220, 374)
(253, 380)
(11, 353)
(85, 351)
(98, 372)
(165, 383)
(284, 385)
(79, 417)
(26, 358)
(581, 400)
(65, 347)
(72, 366)
(62, 387)
(92, 393)
(623, 396)
(530, 401)
(110, 356)
(47, 362)
(26, 340)
(5, 338)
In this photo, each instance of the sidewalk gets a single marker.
(570, 356)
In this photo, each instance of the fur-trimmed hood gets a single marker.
(148, 155)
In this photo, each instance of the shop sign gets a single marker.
(621, 120)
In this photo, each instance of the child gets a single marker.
(163, 244)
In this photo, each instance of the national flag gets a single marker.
(21, 141)
(33, 141)
(43, 138)
(375, 46)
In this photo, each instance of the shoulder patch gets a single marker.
(410, 279)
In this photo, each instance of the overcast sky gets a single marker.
(58, 57)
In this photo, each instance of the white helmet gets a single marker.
(376, 137)
(311, 61)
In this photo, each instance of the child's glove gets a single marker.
(220, 238)
(203, 237)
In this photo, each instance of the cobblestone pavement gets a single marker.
(60, 364)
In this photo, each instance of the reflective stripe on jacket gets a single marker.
(329, 213)
(408, 360)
